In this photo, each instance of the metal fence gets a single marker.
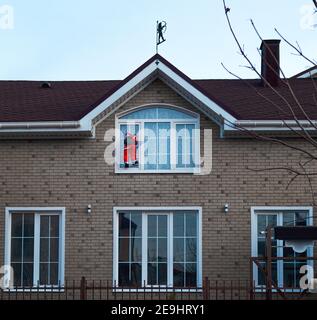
(106, 290)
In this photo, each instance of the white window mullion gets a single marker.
(170, 256)
(280, 253)
(173, 146)
(141, 145)
(144, 249)
(36, 265)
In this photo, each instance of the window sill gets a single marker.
(35, 290)
(157, 290)
(260, 289)
(175, 171)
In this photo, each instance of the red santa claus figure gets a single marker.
(130, 150)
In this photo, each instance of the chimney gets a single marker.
(270, 66)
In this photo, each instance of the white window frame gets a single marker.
(169, 211)
(173, 143)
(278, 211)
(38, 212)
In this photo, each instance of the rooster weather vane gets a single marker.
(160, 30)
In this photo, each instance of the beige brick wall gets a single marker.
(73, 174)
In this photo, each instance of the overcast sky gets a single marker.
(101, 39)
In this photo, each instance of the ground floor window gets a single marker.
(284, 273)
(35, 246)
(157, 247)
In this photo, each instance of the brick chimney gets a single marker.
(270, 66)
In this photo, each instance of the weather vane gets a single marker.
(160, 30)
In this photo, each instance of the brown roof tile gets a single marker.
(71, 100)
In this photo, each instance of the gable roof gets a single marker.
(250, 100)
(26, 101)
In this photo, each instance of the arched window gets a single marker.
(158, 139)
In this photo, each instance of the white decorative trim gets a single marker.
(86, 121)
(270, 125)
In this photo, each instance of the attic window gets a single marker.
(158, 139)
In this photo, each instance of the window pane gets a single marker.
(298, 275)
(145, 113)
(179, 274)
(261, 224)
(136, 274)
(263, 221)
(162, 225)
(289, 274)
(54, 250)
(54, 231)
(28, 224)
(124, 249)
(150, 145)
(261, 277)
(157, 145)
(44, 250)
(164, 145)
(54, 274)
(261, 247)
(136, 249)
(124, 224)
(16, 250)
(157, 273)
(136, 225)
(124, 274)
(27, 274)
(152, 273)
(191, 274)
(162, 250)
(152, 250)
(44, 226)
(152, 226)
(178, 224)
(49, 249)
(191, 224)
(179, 250)
(191, 250)
(185, 145)
(157, 113)
(28, 250)
(162, 273)
(288, 219)
(16, 229)
(22, 247)
(301, 218)
(44, 273)
(166, 113)
(185, 247)
(17, 274)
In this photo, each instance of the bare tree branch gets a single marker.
(297, 49)
(300, 131)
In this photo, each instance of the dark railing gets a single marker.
(106, 290)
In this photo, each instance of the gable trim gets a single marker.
(157, 65)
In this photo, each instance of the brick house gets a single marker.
(144, 180)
